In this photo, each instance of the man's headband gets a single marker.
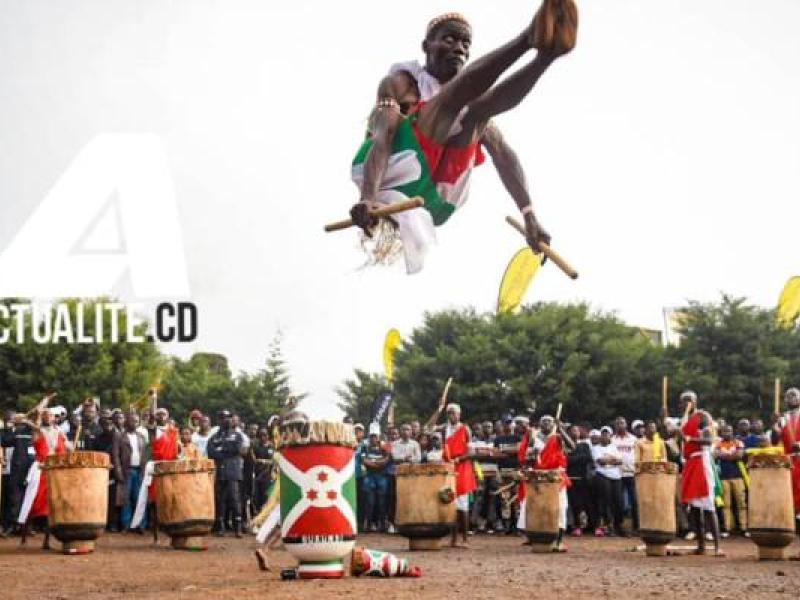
(451, 16)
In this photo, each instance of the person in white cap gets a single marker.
(376, 481)
(625, 443)
(608, 484)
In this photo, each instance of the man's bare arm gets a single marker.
(384, 121)
(513, 177)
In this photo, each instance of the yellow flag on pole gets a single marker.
(789, 303)
(390, 346)
(516, 280)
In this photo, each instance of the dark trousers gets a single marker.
(611, 508)
(376, 491)
(360, 502)
(629, 493)
(229, 502)
(246, 491)
(132, 486)
(392, 498)
(16, 492)
(113, 512)
(579, 496)
(261, 488)
(5, 503)
(485, 507)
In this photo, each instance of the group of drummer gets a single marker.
(696, 442)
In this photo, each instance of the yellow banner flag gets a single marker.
(789, 303)
(516, 280)
(390, 346)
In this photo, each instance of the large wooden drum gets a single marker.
(185, 501)
(542, 508)
(770, 511)
(655, 496)
(426, 509)
(77, 497)
(318, 495)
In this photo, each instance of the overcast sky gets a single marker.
(663, 155)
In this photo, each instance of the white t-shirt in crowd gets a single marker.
(626, 446)
(245, 438)
(136, 457)
(406, 451)
(201, 441)
(610, 471)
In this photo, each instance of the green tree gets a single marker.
(357, 395)
(591, 362)
(197, 383)
(730, 354)
(118, 373)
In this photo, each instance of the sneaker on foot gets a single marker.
(690, 536)
(709, 536)
(725, 535)
(599, 532)
(577, 532)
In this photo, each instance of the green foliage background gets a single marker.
(596, 365)
(592, 362)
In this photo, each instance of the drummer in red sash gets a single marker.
(456, 449)
(787, 431)
(547, 454)
(48, 440)
(697, 480)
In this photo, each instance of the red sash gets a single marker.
(455, 446)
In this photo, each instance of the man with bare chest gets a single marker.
(432, 123)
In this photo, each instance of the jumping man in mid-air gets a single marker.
(431, 123)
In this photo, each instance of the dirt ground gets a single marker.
(495, 567)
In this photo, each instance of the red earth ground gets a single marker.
(495, 567)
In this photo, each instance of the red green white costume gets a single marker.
(419, 166)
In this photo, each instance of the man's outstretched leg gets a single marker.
(452, 40)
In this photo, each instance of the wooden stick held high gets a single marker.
(385, 211)
(557, 259)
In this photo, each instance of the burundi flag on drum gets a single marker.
(318, 505)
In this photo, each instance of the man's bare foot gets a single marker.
(261, 557)
(542, 30)
(555, 27)
(566, 32)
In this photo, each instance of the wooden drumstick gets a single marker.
(665, 394)
(546, 250)
(384, 211)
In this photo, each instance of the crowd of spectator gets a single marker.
(243, 454)
(601, 465)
